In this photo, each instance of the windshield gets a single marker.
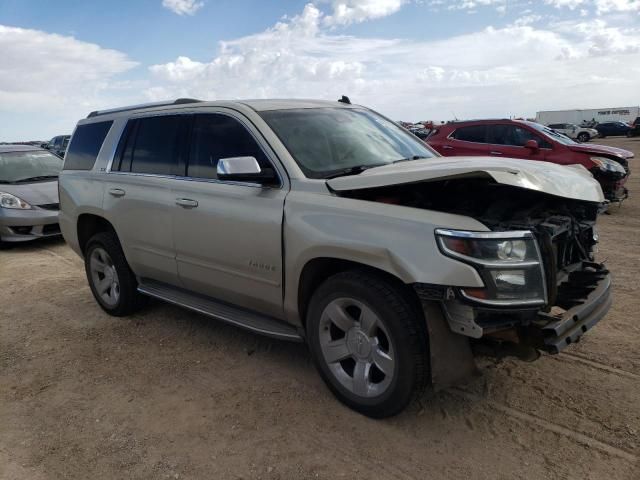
(553, 135)
(18, 167)
(326, 141)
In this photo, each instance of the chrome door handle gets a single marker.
(116, 192)
(186, 202)
(447, 147)
(493, 152)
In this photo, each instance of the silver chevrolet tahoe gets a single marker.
(327, 223)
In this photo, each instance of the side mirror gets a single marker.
(531, 145)
(244, 169)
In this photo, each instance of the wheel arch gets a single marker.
(88, 225)
(319, 269)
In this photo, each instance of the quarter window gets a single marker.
(476, 133)
(217, 136)
(85, 145)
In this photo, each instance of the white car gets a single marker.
(582, 134)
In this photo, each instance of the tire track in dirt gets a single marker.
(572, 357)
(577, 437)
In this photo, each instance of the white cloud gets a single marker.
(183, 7)
(356, 11)
(496, 71)
(605, 6)
(570, 4)
(55, 75)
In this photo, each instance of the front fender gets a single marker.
(395, 239)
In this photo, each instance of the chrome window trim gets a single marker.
(449, 137)
(196, 179)
(267, 154)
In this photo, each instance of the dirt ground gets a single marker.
(172, 394)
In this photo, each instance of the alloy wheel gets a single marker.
(104, 276)
(356, 347)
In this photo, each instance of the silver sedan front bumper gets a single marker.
(24, 225)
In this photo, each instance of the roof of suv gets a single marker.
(259, 105)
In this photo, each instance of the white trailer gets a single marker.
(622, 114)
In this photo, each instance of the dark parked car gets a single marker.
(613, 129)
(532, 141)
(58, 145)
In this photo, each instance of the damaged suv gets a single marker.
(327, 223)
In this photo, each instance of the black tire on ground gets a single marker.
(130, 300)
(583, 137)
(629, 134)
(602, 135)
(406, 331)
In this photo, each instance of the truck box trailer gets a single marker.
(622, 114)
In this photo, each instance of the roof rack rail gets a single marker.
(179, 101)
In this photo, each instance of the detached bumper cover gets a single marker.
(592, 298)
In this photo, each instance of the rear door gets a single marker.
(138, 198)
(466, 140)
(228, 235)
(508, 140)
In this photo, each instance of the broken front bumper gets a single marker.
(591, 292)
(583, 298)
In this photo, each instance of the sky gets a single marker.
(408, 59)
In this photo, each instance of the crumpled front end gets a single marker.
(574, 296)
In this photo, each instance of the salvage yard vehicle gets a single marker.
(613, 129)
(28, 193)
(58, 145)
(326, 222)
(533, 141)
(582, 134)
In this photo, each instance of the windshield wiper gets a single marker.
(355, 170)
(408, 159)
(41, 177)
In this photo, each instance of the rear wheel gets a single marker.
(368, 343)
(583, 137)
(112, 282)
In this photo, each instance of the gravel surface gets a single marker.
(171, 394)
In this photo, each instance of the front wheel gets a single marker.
(368, 342)
(583, 137)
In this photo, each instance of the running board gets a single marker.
(252, 321)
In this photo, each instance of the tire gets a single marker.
(602, 135)
(104, 260)
(629, 134)
(583, 137)
(377, 360)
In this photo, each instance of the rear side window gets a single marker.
(151, 145)
(476, 133)
(85, 145)
(218, 136)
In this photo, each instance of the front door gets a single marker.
(228, 235)
(508, 141)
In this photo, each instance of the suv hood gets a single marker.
(571, 181)
(36, 193)
(600, 149)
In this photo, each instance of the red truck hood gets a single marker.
(601, 149)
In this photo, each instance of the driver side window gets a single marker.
(217, 136)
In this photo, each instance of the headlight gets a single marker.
(11, 201)
(608, 165)
(509, 264)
